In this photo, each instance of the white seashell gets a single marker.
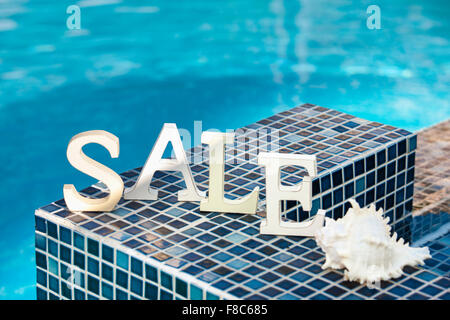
(361, 243)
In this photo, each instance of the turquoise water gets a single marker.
(137, 64)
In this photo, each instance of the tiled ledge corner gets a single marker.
(167, 249)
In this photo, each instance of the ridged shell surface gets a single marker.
(361, 243)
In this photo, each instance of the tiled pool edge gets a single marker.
(440, 232)
(146, 259)
(413, 277)
(432, 179)
(49, 214)
(431, 206)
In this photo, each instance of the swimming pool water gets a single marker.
(135, 65)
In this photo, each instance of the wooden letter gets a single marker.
(216, 200)
(77, 158)
(142, 190)
(275, 192)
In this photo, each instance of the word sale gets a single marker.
(215, 201)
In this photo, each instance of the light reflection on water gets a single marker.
(135, 65)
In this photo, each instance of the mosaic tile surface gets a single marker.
(257, 267)
(429, 223)
(167, 249)
(432, 180)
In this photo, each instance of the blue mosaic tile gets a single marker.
(166, 249)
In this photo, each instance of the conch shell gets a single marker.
(361, 243)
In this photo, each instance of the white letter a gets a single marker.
(141, 190)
